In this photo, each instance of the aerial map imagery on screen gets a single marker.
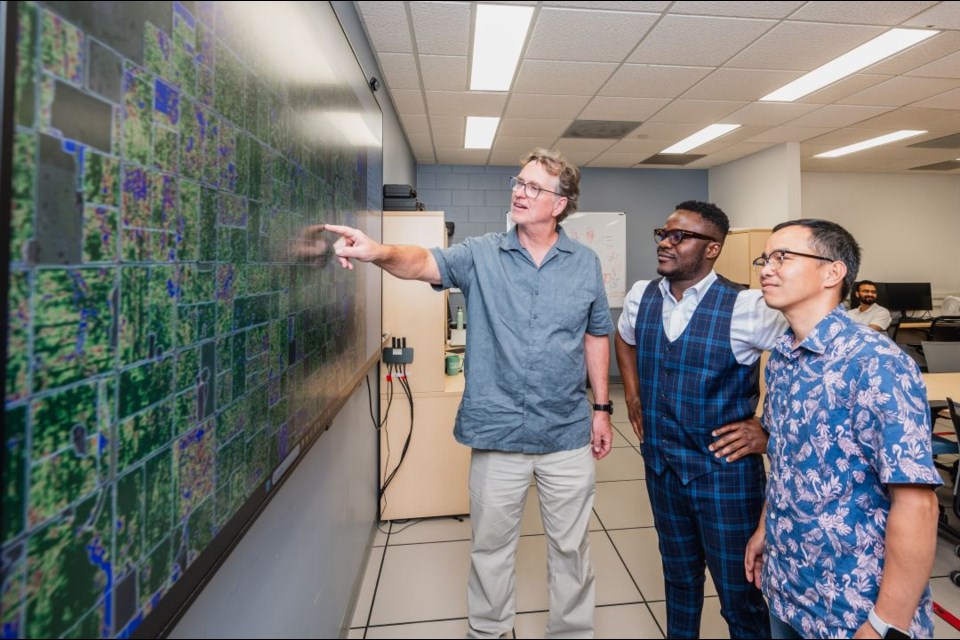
(166, 350)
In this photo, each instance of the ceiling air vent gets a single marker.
(949, 165)
(951, 141)
(676, 159)
(600, 129)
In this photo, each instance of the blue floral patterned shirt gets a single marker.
(847, 414)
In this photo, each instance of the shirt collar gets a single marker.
(698, 289)
(511, 241)
(817, 341)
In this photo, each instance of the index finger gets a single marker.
(728, 428)
(348, 232)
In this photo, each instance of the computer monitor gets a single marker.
(905, 296)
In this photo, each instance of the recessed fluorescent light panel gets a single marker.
(867, 144)
(480, 132)
(893, 41)
(701, 137)
(498, 37)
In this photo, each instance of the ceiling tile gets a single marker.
(532, 127)
(592, 36)
(902, 90)
(399, 70)
(462, 156)
(387, 25)
(604, 108)
(408, 102)
(740, 84)
(942, 16)
(737, 9)
(562, 78)
(467, 103)
(873, 12)
(504, 158)
(444, 73)
(580, 158)
(620, 6)
(696, 111)
(616, 160)
(950, 123)
(517, 145)
(421, 144)
(577, 145)
(668, 133)
(652, 81)
(639, 149)
(447, 141)
(415, 125)
(788, 133)
(769, 114)
(448, 124)
(718, 39)
(945, 67)
(441, 27)
(836, 138)
(535, 105)
(948, 100)
(838, 116)
(802, 46)
(729, 154)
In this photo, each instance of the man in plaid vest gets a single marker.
(688, 346)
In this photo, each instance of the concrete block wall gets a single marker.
(475, 199)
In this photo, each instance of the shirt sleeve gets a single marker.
(893, 399)
(600, 323)
(754, 327)
(882, 318)
(455, 264)
(627, 327)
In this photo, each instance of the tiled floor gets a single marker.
(415, 582)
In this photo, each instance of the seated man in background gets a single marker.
(869, 312)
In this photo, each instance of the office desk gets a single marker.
(915, 324)
(941, 385)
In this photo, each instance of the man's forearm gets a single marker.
(910, 543)
(597, 350)
(408, 262)
(627, 363)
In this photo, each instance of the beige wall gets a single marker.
(760, 190)
(907, 225)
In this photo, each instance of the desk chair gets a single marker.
(944, 329)
(941, 357)
(942, 445)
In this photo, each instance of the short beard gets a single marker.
(684, 273)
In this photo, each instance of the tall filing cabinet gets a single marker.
(432, 480)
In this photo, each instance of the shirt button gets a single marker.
(534, 316)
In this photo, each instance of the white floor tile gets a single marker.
(355, 633)
(712, 624)
(625, 429)
(640, 552)
(620, 464)
(443, 529)
(422, 582)
(380, 537)
(362, 609)
(438, 629)
(617, 621)
(613, 582)
(532, 523)
(623, 505)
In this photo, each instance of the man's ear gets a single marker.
(560, 206)
(834, 274)
(713, 250)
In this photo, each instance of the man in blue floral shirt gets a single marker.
(849, 534)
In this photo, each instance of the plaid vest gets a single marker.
(693, 385)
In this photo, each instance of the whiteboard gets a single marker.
(606, 234)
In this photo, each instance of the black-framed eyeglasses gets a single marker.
(775, 259)
(532, 190)
(676, 236)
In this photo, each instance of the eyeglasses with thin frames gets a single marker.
(775, 259)
(532, 190)
(676, 236)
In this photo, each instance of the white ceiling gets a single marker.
(677, 67)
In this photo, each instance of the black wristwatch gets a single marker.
(604, 407)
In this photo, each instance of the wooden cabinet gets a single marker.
(740, 249)
(432, 479)
(735, 263)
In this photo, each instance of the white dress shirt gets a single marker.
(754, 326)
(875, 314)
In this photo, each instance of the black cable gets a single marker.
(405, 385)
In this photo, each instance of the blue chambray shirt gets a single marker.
(847, 414)
(525, 367)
